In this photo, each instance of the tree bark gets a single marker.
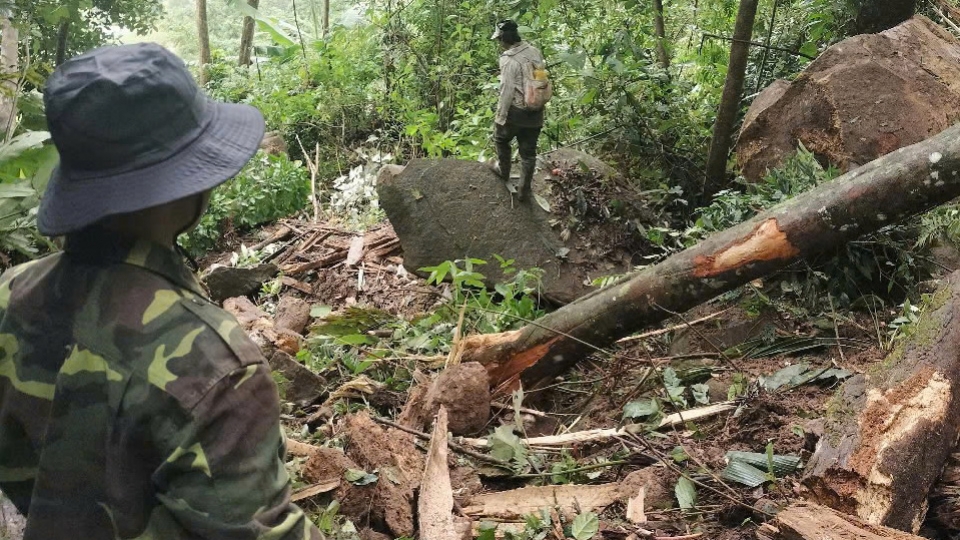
(10, 66)
(246, 37)
(889, 433)
(203, 34)
(63, 35)
(730, 100)
(804, 521)
(325, 20)
(906, 182)
(878, 15)
(661, 31)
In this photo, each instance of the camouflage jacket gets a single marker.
(131, 407)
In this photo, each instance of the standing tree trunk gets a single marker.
(325, 21)
(10, 71)
(730, 102)
(63, 35)
(661, 30)
(906, 182)
(246, 37)
(203, 33)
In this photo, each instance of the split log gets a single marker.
(889, 433)
(903, 183)
(804, 521)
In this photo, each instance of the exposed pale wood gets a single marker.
(635, 513)
(597, 435)
(315, 489)
(435, 504)
(888, 433)
(514, 504)
(807, 521)
(662, 331)
(903, 183)
(299, 449)
(355, 253)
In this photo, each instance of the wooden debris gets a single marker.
(355, 253)
(435, 504)
(597, 435)
(325, 248)
(807, 521)
(314, 489)
(570, 499)
(299, 449)
(889, 433)
(635, 513)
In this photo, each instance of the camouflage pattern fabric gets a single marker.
(131, 407)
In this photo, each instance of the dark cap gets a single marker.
(134, 130)
(506, 26)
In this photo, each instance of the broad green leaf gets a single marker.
(641, 409)
(686, 493)
(320, 312)
(21, 143)
(358, 477)
(585, 526)
(15, 191)
(783, 377)
(505, 445)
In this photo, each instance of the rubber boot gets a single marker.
(528, 166)
(503, 164)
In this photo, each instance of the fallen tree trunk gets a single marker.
(903, 183)
(804, 521)
(889, 433)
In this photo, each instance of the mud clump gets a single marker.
(465, 392)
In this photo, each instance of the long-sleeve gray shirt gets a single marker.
(511, 78)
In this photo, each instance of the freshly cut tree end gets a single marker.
(807, 521)
(889, 433)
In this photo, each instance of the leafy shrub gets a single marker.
(25, 166)
(268, 188)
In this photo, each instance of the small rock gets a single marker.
(764, 508)
(293, 314)
(370, 534)
(303, 386)
(227, 282)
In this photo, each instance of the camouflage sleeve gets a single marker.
(226, 478)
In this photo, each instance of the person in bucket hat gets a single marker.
(130, 405)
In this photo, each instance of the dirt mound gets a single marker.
(445, 210)
(861, 99)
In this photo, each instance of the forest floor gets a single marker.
(768, 362)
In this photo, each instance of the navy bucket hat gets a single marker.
(134, 130)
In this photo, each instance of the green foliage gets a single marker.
(86, 23)
(268, 188)
(686, 493)
(25, 166)
(585, 526)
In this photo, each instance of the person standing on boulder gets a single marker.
(130, 405)
(524, 90)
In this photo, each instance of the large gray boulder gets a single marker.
(444, 210)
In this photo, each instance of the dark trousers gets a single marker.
(527, 140)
